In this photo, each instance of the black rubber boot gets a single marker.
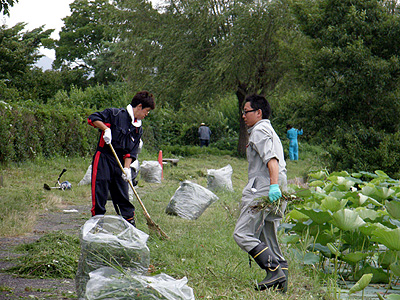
(265, 259)
(131, 221)
(283, 286)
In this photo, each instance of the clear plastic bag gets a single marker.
(220, 179)
(109, 283)
(151, 171)
(110, 241)
(190, 201)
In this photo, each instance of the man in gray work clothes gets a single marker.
(204, 135)
(256, 231)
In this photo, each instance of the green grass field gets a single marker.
(203, 250)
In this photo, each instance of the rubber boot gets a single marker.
(284, 286)
(265, 259)
(131, 221)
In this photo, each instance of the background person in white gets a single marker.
(256, 231)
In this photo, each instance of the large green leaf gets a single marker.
(361, 284)
(347, 219)
(380, 275)
(388, 237)
(369, 228)
(317, 215)
(295, 214)
(395, 268)
(393, 208)
(364, 200)
(332, 204)
(393, 297)
(355, 257)
(366, 213)
(310, 258)
(334, 250)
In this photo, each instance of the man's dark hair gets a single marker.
(145, 98)
(259, 102)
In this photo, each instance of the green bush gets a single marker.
(41, 130)
(358, 148)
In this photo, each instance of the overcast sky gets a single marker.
(41, 12)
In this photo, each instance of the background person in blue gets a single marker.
(292, 134)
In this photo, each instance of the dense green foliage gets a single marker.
(331, 67)
(30, 130)
(344, 219)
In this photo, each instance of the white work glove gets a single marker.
(127, 176)
(107, 136)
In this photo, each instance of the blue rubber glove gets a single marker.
(274, 192)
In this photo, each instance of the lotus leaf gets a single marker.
(317, 215)
(341, 173)
(393, 297)
(315, 183)
(395, 268)
(334, 250)
(347, 219)
(367, 199)
(361, 284)
(366, 213)
(310, 258)
(344, 184)
(290, 239)
(381, 174)
(297, 215)
(324, 250)
(380, 275)
(368, 174)
(368, 190)
(382, 193)
(333, 204)
(388, 237)
(355, 257)
(393, 208)
(303, 193)
(386, 258)
(337, 195)
(318, 175)
(369, 228)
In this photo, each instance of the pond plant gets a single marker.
(347, 225)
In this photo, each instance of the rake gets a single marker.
(150, 223)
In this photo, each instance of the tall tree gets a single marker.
(5, 6)
(86, 41)
(19, 51)
(198, 49)
(355, 68)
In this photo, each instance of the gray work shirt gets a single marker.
(204, 133)
(264, 144)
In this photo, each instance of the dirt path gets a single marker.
(22, 288)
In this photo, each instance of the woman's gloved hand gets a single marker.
(274, 192)
(107, 136)
(127, 175)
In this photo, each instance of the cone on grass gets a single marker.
(161, 164)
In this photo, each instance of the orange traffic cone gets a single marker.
(161, 164)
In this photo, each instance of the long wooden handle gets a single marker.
(130, 182)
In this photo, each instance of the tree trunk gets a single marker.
(241, 94)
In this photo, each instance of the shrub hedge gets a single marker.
(27, 131)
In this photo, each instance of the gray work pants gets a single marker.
(254, 227)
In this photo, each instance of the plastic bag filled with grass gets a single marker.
(110, 241)
(110, 283)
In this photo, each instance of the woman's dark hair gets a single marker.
(259, 102)
(145, 98)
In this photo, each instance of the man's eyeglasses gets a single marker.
(244, 112)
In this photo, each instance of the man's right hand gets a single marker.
(107, 136)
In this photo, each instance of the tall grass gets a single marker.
(203, 250)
